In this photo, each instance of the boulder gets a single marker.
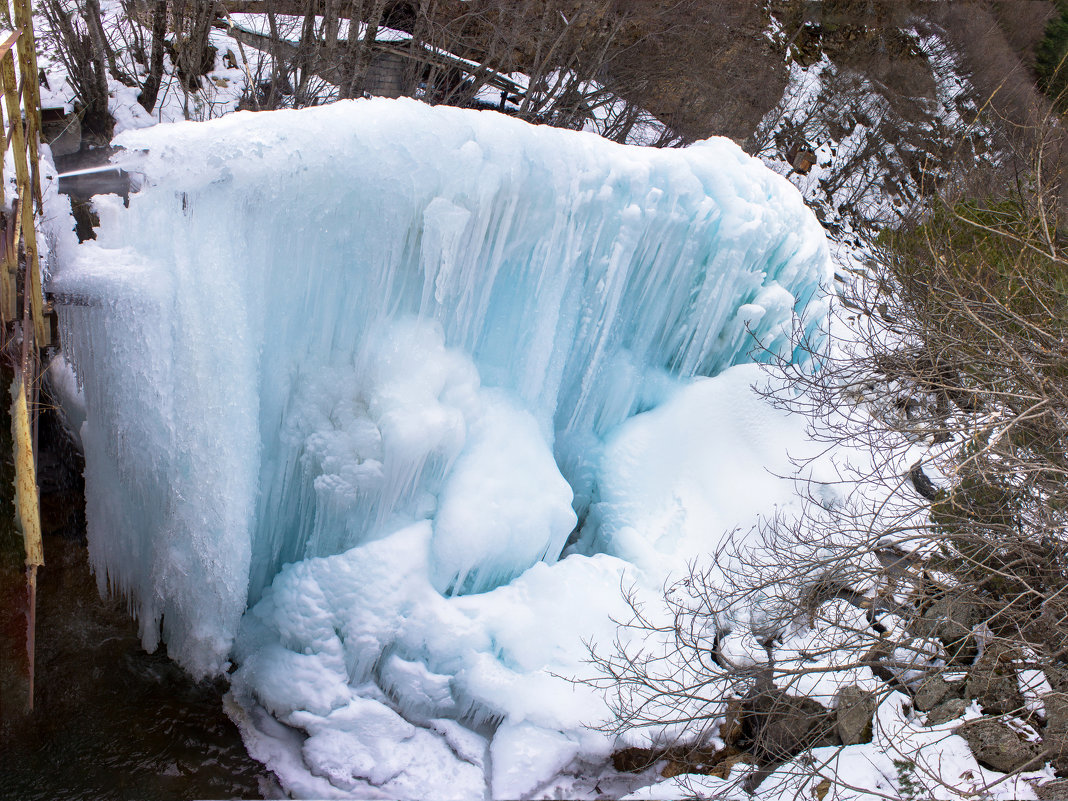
(1053, 791)
(951, 619)
(948, 710)
(934, 691)
(854, 713)
(999, 747)
(1057, 676)
(779, 725)
(803, 161)
(1055, 736)
(636, 760)
(993, 683)
(730, 731)
(718, 764)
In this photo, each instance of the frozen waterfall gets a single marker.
(353, 376)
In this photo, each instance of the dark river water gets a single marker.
(111, 721)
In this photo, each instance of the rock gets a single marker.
(1057, 677)
(951, 619)
(635, 760)
(946, 711)
(723, 769)
(992, 681)
(803, 161)
(998, 747)
(1055, 736)
(779, 726)
(730, 731)
(873, 659)
(719, 763)
(854, 713)
(677, 760)
(934, 691)
(1053, 791)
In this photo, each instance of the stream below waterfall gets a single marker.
(112, 721)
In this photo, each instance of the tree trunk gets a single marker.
(150, 89)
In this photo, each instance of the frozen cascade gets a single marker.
(356, 367)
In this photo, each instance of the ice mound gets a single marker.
(371, 623)
(660, 496)
(353, 377)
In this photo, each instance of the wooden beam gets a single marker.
(31, 92)
(41, 330)
(9, 42)
(13, 112)
(27, 507)
(9, 263)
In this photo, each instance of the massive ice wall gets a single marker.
(312, 329)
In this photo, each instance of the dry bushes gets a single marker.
(944, 572)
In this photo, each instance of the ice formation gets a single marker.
(355, 375)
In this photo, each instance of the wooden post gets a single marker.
(22, 174)
(9, 262)
(27, 511)
(9, 258)
(42, 331)
(31, 93)
(23, 138)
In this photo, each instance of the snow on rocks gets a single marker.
(904, 759)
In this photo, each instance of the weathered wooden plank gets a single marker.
(27, 506)
(9, 42)
(41, 329)
(25, 476)
(42, 332)
(5, 48)
(9, 260)
(14, 115)
(22, 104)
(27, 50)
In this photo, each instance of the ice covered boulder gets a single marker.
(353, 376)
(269, 255)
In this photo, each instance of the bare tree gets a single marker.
(566, 63)
(92, 49)
(950, 554)
(154, 58)
(79, 42)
